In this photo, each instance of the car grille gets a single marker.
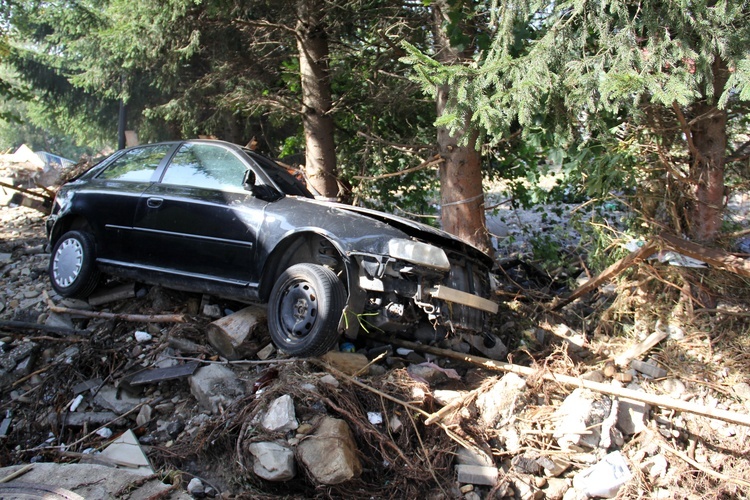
(471, 277)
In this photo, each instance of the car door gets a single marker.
(199, 221)
(110, 199)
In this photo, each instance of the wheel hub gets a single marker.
(299, 309)
(68, 262)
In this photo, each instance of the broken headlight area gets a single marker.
(403, 294)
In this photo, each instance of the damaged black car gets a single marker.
(215, 218)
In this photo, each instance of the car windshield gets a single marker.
(284, 180)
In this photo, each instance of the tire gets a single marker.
(72, 265)
(304, 310)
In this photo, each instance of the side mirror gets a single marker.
(248, 180)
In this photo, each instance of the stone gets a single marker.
(280, 416)
(330, 455)
(144, 415)
(59, 321)
(488, 344)
(215, 386)
(525, 488)
(231, 335)
(649, 369)
(553, 467)
(477, 474)
(90, 480)
(632, 417)
(329, 379)
(196, 489)
(556, 488)
(273, 461)
(500, 402)
(119, 402)
(578, 419)
(474, 456)
(742, 390)
(674, 387)
(350, 363)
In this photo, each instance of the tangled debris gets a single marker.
(667, 416)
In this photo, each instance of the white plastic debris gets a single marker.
(375, 418)
(76, 402)
(605, 478)
(104, 432)
(141, 336)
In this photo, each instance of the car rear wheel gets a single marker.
(304, 310)
(72, 266)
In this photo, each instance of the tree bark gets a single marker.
(461, 191)
(312, 45)
(709, 135)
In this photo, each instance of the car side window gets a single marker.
(136, 165)
(206, 166)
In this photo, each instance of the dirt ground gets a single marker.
(704, 357)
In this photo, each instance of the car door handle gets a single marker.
(154, 202)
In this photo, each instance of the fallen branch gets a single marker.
(452, 406)
(641, 348)
(135, 318)
(48, 199)
(22, 325)
(612, 271)
(20, 472)
(435, 160)
(652, 399)
(712, 256)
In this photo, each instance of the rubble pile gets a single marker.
(163, 395)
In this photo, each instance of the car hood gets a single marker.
(412, 228)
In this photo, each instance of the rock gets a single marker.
(474, 456)
(674, 387)
(330, 455)
(118, 401)
(280, 416)
(59, 321)
(231, 335)
(553, 467)
(212, 310)
(144, 416)
(578, 420)
(329, 379)
(350, 363)
(499, 403)
(273, 461)
(214, 386)
(556, 488)
(649, 369)
(655, 466)
(633, 414)
(488, 344)
(477, 474)
(88, 480)
(742, 390)
(196, 489)
(175, 428)
(527, 464)
(525, 488)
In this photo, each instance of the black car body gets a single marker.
(213, 217)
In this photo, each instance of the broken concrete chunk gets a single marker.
(273, 461)
(280, 416)
(106, 295)
(126, 451)
(477, 474)
(474, 456)
(215, 386)
(499, 403)
(118, 401)
(330, 455)
(578, 420)
(632, 416)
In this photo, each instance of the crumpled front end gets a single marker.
(421, 284)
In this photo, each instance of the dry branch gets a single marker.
(612, 271)
(135, 318)
(712, 256)
(652, 399)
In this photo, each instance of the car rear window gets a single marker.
(136, 165)
(205, 165)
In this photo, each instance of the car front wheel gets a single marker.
(304, 310)
(72, 266)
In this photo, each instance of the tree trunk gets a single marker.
(461, 192)
(312, 45)
(709, 136)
